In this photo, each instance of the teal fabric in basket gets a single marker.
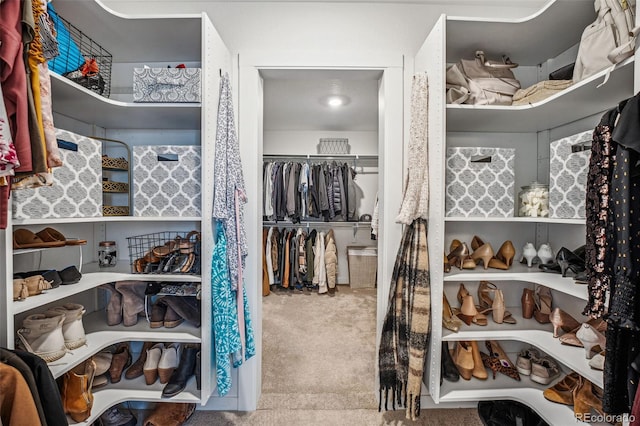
(70, 57)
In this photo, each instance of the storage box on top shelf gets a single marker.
(479, 182)
(363, 266)
(77, 184)
(568, 168)
(166, 181)
(180, 85)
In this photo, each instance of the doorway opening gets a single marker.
(321, 181)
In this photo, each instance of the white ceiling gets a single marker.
(296, 100)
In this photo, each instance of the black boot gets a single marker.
(449, 370)
(182, 374)
(198, 385)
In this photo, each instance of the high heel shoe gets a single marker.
(463, 359)
(468, 310)
(506, 253)
(566, 260)
(479, 371)
(529, 254)
(448, 367)
(446, 264)
(590, 337)
(150, 368)
(528, 303)
(449, 321)
(484, 253)
(500, 314)
(459, 256)
(545, 254)
(498, 361)
(570, 337)
(543, 302)
(561, 319)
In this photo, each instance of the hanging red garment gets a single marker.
(13, 78)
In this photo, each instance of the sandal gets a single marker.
(500, 315)
(52, 235)
(24, 239)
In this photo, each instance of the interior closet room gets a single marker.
(320, 182)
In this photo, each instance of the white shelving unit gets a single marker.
(535, 41)
(133, 42)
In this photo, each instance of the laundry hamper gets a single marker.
(363, 266)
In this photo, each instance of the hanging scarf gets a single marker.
(405, 332)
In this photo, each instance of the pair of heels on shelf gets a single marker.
(470, 362)
(536, 303)
(460, 255)
(470, 313)
(530, 255)
(567, 260)
(575, 390)
(588, 335)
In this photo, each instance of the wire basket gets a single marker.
(334, 146)
(167, 252)
(77, 50)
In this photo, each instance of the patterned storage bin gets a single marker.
(166, 84)
(479, 182)
(166, 181)
(77, 185)
(568, 168)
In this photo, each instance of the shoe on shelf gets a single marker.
(562, 392)
(504, 256)
(590, 337)
(150, 368)
(529, 254)
(41, 334)
(449, 320)
(524, 360)
(597, 362)
(121, 359)
(545, 253)
(72, 328)
(463, 359)
(184, 371)
(114, 417)
(479, 370)
(496, 305)
(483, 253)
(571, 339)
(544, 370)
(137, 368)
(163, 412)
(587, 396)
(468, 310)
(498, 361)
(543, 301)
(114, 307)
(566, 260)
(448, 369)
(459, 256)
(528, 303)
(168, 362)
(447, 265)
(77, 398)
(103, 362)
(561, 319)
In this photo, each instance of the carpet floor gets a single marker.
(319, 366)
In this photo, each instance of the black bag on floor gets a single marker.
(508, 413)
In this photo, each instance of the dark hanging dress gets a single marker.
(624, 309)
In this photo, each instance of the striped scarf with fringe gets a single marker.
(405, 332)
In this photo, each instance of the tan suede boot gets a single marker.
(77, 397)
(170, 414)
(132, 300)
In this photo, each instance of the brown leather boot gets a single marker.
(132, 300)
(188, 307)
(136, 368)
(77, 398)
(170, 414)
(121, 359)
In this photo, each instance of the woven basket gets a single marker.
(363, 266)
(115, 210)
(114, 163)
(110, 186)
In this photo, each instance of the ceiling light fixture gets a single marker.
(335, 101)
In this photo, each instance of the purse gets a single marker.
(481, 82)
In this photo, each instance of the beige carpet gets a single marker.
(319, 366)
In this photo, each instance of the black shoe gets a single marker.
(70, 275)
(182, 374)
(567, 260)
(197, 372)
(449, 370)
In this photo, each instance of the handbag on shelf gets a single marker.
(481, 82)
(609, 40)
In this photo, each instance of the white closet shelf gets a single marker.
(520, 272)
(528, 41)
(503, 387)
(136, 390)
(100, 335)
(532, 332)
(580, 100)
(92, 277)
(151, 37)
(516, 220)
(72, 220)
(75, 101)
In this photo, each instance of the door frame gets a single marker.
(391, 106)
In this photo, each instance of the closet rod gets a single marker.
(305, 224)
(319, 157)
